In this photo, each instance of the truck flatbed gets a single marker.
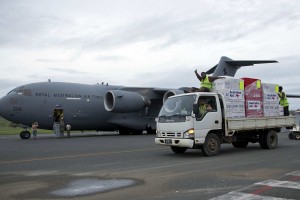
(238, 124)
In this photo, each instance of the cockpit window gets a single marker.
(12, 91)
(21, 91)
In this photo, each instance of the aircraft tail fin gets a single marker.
(228, 67)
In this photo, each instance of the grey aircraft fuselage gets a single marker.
(83, 107)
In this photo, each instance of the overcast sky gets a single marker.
(149, 43)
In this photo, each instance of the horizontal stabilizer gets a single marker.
(240, 63)
(228, 67)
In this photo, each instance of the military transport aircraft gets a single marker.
(98, 107)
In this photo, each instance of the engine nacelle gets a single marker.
(171, 93)
(123, 101)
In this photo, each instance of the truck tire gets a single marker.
(297, 136)
(25, 134)
(242, 144)
(291, 135)
(269, 140)
(212, 145)
(178, 149)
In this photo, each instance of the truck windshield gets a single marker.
(178, 106)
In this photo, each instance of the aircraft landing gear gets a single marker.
(129, 132)
(25, 134)
(150, 130)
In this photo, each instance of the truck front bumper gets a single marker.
(178, 142)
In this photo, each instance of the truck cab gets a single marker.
(185, 120)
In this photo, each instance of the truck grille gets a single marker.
(175, 135)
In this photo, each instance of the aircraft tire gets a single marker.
(291, 135)
(124, 132)
(242, 144)
(212, 145)
(130, 132)
(269, 140)
(137, 132)
(151, 132)
(178, 150)
(25, 134)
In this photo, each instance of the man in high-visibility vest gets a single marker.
(203, 107)
(206, 81)
(283, 101)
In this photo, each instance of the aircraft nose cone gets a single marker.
(2, 107)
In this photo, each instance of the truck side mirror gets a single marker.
(196, 109)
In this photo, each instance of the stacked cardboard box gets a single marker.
(233, 91)
(281, 113)
(270, 100)
(253, 97)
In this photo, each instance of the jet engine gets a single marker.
(119, 101)
(171, 93)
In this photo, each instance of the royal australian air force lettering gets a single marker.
(69, 96)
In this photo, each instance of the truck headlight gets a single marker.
(158, 133)
(189, 133)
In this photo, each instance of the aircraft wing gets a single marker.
(293, 95)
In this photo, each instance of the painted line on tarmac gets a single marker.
(266, 186)
(244, 196)
(80, 155)
(282, 184)
(295, 173)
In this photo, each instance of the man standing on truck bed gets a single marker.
(206, 81)
(283, 101)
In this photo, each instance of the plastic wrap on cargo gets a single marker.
(270, 88)
(228, 84)
(253, 98)
(234, 96)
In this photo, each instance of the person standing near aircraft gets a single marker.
(34, 129)
(68, 128)
(283, 102)
(206, 81)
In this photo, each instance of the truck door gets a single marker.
(209, 117)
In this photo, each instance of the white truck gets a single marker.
(181, 126)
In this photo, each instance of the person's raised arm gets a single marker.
(198, 76)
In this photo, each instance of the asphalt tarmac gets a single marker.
(112, 166)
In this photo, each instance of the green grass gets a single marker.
(6, 129)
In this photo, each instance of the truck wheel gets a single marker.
(178, 149)
(297, 136)
(240, 144)
(291, 135)
(25, 134)
(212, 145)
(269, 140)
